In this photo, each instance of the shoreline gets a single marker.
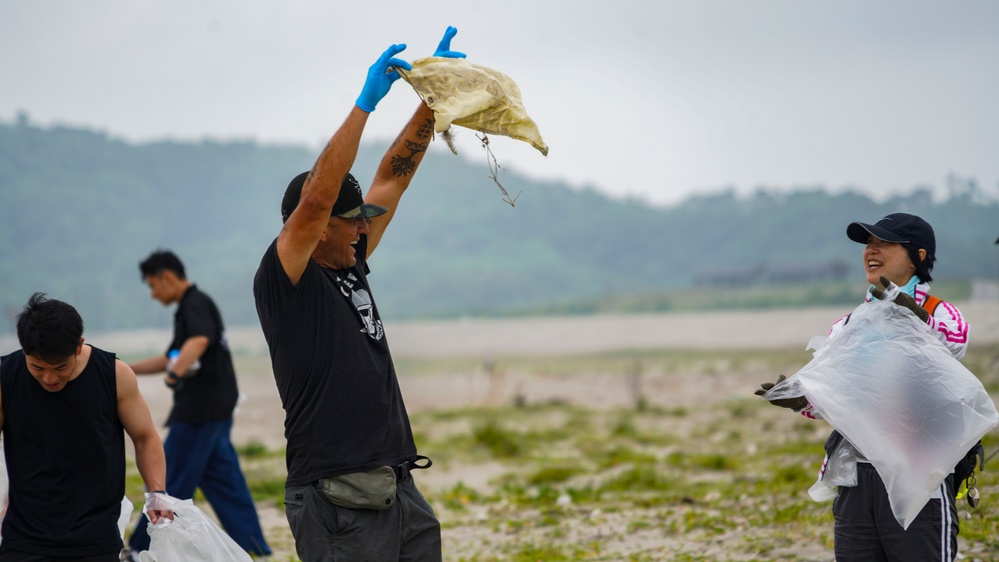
(567, 335)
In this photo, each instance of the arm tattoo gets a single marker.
(402, 166)
(426, 130)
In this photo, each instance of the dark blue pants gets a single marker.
(201, 456)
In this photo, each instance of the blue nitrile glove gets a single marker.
(444, 48)
(380, 78)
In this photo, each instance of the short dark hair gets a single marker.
(923, 267)
(160, 261)
(49, 329)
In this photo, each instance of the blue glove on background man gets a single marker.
(380, 77)
(444, 48)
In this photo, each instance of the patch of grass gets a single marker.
(532, 552)
(459, 496)
(501, 442)
(267, 489)
(794, 475)
(624, 427)
(135, 489)
(676, 412)
(611, 456)
(254, 450)
(643, 477)
(706, 461)
(553, 474)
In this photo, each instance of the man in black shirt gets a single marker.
(349, 493)
(199, 370)
(63, 408)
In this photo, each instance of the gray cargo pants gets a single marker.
(407, 531)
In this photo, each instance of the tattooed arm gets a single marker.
(397, 169)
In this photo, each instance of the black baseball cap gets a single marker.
(912, 232)
(349, 204)
(900, 228)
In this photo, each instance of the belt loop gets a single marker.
(428, 464)
(403, 469)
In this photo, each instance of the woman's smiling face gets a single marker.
(889, 259)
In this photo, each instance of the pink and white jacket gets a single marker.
(946, 323)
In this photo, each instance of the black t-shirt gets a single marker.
(65, 454)
(211, 394)
(343, 409)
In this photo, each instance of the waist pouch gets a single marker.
(373, 489)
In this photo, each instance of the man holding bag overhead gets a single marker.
(349, 493)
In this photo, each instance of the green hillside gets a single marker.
(79, 209)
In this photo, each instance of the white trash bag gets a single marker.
(191, 537)
(840, 470)
(898, 395)
(126, 515)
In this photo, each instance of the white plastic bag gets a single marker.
(899, 396)
(126, 515)
(839, 469)
(191, 537)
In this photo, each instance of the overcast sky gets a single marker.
(652, 99)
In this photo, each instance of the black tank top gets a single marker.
(65, 455)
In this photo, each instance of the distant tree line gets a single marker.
(80, 208)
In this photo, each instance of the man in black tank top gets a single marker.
(64, 409)
(345, 420)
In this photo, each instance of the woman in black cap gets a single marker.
(900, 249)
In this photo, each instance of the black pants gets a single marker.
(866, 529)
(408, 531)
(7, 555)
